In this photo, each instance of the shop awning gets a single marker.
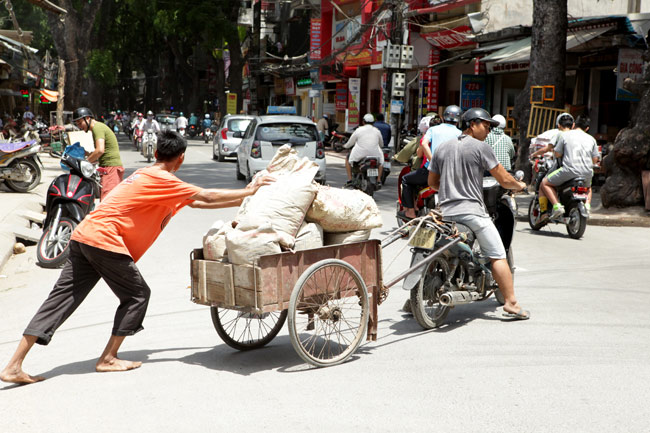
(15, 45)
(50, 95)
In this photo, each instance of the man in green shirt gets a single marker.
(107, 151)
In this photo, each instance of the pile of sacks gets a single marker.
(293, 213)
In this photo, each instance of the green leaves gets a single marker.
(102, 68)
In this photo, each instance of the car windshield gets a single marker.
(238, 125)
(166, 119)
(287, 132)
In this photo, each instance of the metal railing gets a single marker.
(541, 119)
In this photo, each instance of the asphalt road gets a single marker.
(579, 365)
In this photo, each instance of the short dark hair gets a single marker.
(565, 121)
(379, 117)
(583, 122)
(434, 121)
(170, 145)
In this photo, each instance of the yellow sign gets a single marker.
(231, 106)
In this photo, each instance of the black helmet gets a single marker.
(452, 114)
(81, 113)
(478, 114)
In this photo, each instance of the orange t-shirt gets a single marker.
(136, 211)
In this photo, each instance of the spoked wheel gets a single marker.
(328, 313)
(534, 215)
(425, 302)
(31, 172)
(577, 223)
(246, 331)
(53, 253)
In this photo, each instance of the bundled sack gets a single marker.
(214, 241)
(309, 236)
(246, 246)
(340, 210)
(285, 201)
(347, 237)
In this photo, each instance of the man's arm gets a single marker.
(352, 141)
(98, 152)
(542, 151)
(219, 198)
(505, 179)
(434, 180)
(426, 146)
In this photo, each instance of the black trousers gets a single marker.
(85, 266)
(410, 183)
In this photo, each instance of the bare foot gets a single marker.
(18, 376)
(116, 364)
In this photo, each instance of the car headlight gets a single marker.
(87, 168)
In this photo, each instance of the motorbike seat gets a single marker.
(15, 146)
(426, 192)
(576, 181)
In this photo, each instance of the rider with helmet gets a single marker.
(181, 123)
(367, 141)
(151, 122)
(434, 136)
(207, 122)
(456, 171)
(107, 151)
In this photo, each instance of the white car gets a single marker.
(265, 134)
(229, 135)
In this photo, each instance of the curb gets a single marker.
(7, 237)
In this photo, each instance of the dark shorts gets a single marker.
(85, 266)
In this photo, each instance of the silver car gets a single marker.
(227, 138)
(266, 134)
(167, 122)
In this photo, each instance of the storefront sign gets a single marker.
(289, 87)
(472, 91)
(341, 96)
(396, 106)
(303, 82)
(354, 98)
(630, 65)
(315, 39)
(231, 104)
(503, 68)
(344, 31)
(314, 93)
(452, 38)
(433, 81)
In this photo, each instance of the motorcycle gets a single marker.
(571, 194)
(457, 273)
(20, 165)
(181, 131)
(426, 198)
(192, 130)
(137, 138)
(388, 153)
(364, 175)
(150, 140)
(70, 197)
(207, 135)
(339, 139)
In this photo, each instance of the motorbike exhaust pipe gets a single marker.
(451, 299)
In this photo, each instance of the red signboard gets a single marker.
(446, 39)
(341, 96)
(433, 81)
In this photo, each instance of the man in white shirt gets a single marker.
(367, 141)
(181, 124)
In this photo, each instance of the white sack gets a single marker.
(214, 241)
(245, 247)
(343, 210)
(284, 202)
(309, 236)
(347, 237)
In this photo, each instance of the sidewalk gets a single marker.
(15, 205)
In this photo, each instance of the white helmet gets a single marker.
(207, 116)
(499, 118)
(424, 124)
(368, 118)
(149, 113)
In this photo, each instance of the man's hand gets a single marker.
(259, 182)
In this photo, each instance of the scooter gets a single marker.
(137, 138)
(20, 166)
(457, 272)
(207, 134)
(571, 194)
(181, 131)
(388, 153)
(364, 175)
(192, 131)
(426, 198)
(149, 142)
(339, 139)
(70, 197)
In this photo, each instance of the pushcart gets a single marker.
(329, 295)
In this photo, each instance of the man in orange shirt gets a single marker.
(107, 244)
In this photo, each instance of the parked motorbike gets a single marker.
(137, 138)
(70, 197)
(339, 139)
(20, 166)
(571, 194)
(458, 273)
(149, 142)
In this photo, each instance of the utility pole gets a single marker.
(255, 59)
(60, 88)
(396, 21)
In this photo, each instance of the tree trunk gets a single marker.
(547, 66)
(631, 152)
(72, 41)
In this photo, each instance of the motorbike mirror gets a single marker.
(519, 175)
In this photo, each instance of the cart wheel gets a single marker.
(328, 313)
(246, 331)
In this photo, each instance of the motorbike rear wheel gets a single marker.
(577, 223)
(54, 254)
(31, 169)
(534, 215)
(425, 304)
(337, 144)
